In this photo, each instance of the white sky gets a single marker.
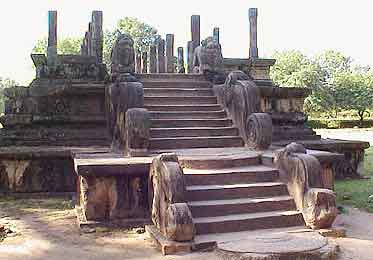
(309, 26)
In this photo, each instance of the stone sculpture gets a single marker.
(123, 55)
(241, 98)
(302, 174)
(208, 58)
(170, 212)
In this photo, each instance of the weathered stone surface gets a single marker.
(144, 59)
(253, 16)
(123, 55)
(37, 175)
(52, 41)
(241, 98)
(161, 65)
(180, 60)
(137, 125)
(259, 129)
(208, 58)
(302, 174)
(97, 36)
(152, 59)
(121, 96)
(170, 64)
(170, 213)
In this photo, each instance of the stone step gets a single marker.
(172, 123)
(220, 161)
(177, 92)
(248, 221)
(195, 142)
(193, 132)
(183, 108)
(236, 175)
(193, 84)
(188, 114)
(235, 191)
(214, 208)
(186, 100)
(170, 76)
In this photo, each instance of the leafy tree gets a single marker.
(143, 35)
(4, 83)
(64, 46)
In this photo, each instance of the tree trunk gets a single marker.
(361, 117)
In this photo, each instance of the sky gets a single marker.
(308, 26)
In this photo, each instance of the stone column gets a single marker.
(144, 62)
(170, 53)
(196, 30)
(152, 59)
(190, 52)
(161, 67)
(89, 39)
(253, 15)
(97, 35)
(180, 60)
(138, 63)
(52, 40)
(215, 34)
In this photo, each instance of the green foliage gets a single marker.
(336, 85)
(64, 46)
(143, 35)
(356, 192)
(4, 83)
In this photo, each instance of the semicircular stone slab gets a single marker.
(279, 245)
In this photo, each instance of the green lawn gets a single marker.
(356, 192)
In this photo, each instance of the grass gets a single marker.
(356, 193)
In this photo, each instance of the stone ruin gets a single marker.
(210, 148)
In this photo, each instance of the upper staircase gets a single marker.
(185, 113)
(228, 187)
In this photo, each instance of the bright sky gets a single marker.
(309, 26)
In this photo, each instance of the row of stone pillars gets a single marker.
(160, 57)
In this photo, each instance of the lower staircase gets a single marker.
(228, 187)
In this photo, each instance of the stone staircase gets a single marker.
(185, 113)
(228, 188)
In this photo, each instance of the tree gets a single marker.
(4, 83)
(64, 46)
(143, 35)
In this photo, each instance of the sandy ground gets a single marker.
(53, 235)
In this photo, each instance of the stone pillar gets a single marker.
(180, 60)
(152, 59)
(138, 63)
(190, 52)
(215, 34)
(85, 44)
(89, 39)
(196, 30)
(52, 40)
(161, 67)
(144, 62)
(253, 15)
(97, 35)
(170, 53)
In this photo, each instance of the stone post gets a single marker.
(170, 53)
(89, 39)
(180, 60)
(138, 63)
(85, 44)
(97, 35)
(52, 40)
(160, 56)
(196, 30)
(215, 34)
(144, 62)
(152, 59)
(253, 15)
(190, 52)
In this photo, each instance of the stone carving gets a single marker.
(259, 130)
(123, 55)
(208, 58)
(302, 174)
(121, 96)
(240, 96)
(137, 125)
(170, 212)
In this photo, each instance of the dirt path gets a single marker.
(52, 234)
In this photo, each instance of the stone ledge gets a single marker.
(168, 247)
